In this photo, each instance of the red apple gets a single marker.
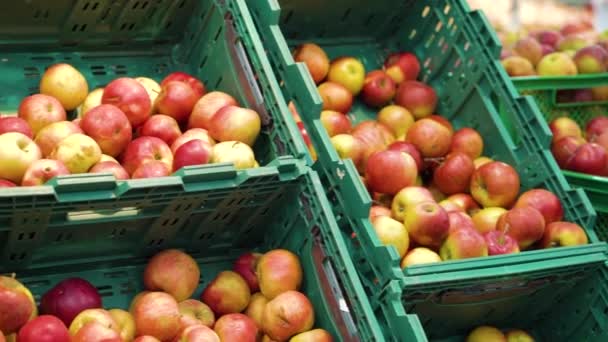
(227, 293)
(146, 149)
(402, 66)
(390, 171)
(495, 184)
(45, 328)
(564, 149)
(194, 312)
(468, 141)
(525, 224)
(151, 169)
(191, 134)
(109, 127)
(335, 97)
(349, 72)
(156, 314)
(152, 88)
(544, 201)
(130, 97)
(114, 168)
(198, 333)
(237, 327)
(450, 206)
(232, 123)
(17, 305)
(66, 84)
(15, 124)
(96, 332)
(427, 223)
(564, 127)
(278, 271)
(589, 158)
(41, 110)
(500, 243)
(206, 107)
(69, 298)
(174, 272)
(43, 170)
(406, 198)
(459, 220)
(530, 49)
(560, 233)
(245, 265)
(378, 210)
(6, 184)
(430, 137)
(596, 127)
(315, 58)
(454, 174)
(197, 86)
(417, 97)
(194, 152)
(374, 137)
(146, 338)
(462, 244)
(465, 202)
(410, 149)
(176, 99)
(289, 314)
(161, 126)
(335, 123)
(50, 136)
(378, 89)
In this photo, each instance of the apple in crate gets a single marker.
(238, 153)
(467, 141)
(430, 137)
(41, 110)
(589, 158)
(459, 219)
(17, 305)
(486, 333)
(161, 126)
(152, 88)
(419, 98)
(206, 107)
(146, 149)
(596, 127)
(245, 266)
(391, 233)
(191, 134)
(315, 58)
(151, 169)
(227, 293)
(378, 89)
(174, 272)
(44, 328)
(465, 202)
(524, 224)
(462, 244)
(109, 127)
(236, 327)
(348, 147)
(176, 99)
(50, 136)
(18, 152)
(125, 323)
(66, 84)
(398, 119)
(517, 66)
(480, 161)
(15, 124)
(112, 167)
(374, 137)
(427, 223)
(288, 314)
(6, 184)
(419, 256)
(193, 82)
(402, 66)
(278, 271)
(335, 123)
(561, 233)
(78, 152)
(194, 312)
(378, 210)
(389, 171)
(232, 123)
(43, 170)
(556, 64)
(485, 220)
(198, 333)
(564, 127)
(454, 174)
(410, 149)
(544, 201)
(130, 97)
(156, 314)
(406, 198)
(530, 49)
(194, 152)
(500, 243)
(92, 100)
(563, 150)
(315, 335)
(495, 184)
(99, 316)
(591, 60)
(335, 97)
(349, 72)
(255, 309)
(96, 332)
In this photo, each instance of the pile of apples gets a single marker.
(577, 151)
(569, 51)
(256, 301)
(136, 121)
(437, 197)
(486, 333)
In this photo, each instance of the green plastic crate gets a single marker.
(259, 209)
(474, 91)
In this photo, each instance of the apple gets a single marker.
(227, 293)
(378, 210)
(600, 93)
(15, 124)
(235, 152)
(6, 184)
(44, 328)
(390, 171)
(109, 127)
(315, 58)
(173, 272)
(517, 66)
(518, 335)
(194, 152)
(430, 137)
(255, 309)
(402, 66)
(454, 174)
(596, 127)
(17, 305)
(547, 49)
(125, 323)
(564, 149)
(156, 314)
(602, 140)
(445, 122)
(87, 316)
(500, 243)
(591, 59)
(143, 150)
(589, 158)
(278, 271)
(43, 170)
(450, 206)
(315, 335)
(92, 100)
(146, 338)
(398, 119)
(485, 220)
(96, 332)
(391, 233)
(410, 149)
(114, 168)
(335, 97)
(544, 201)
(486, 333)
(194, 312)
(130, 97)
(245, 266)
(152, 88)
(524, 224)
(419, 98)
(564, 127)
(459, 220)
(427, 223)
(176, 99)
(374, 137)
(530, 49)
(556, 64)
(378, 89)
(206, 107)
(161, 126)
(193, 82)
(232, 123)
(40, 110)
(549, 37)
(50, 136)
(467, 141)
(479, 161)
(419, 256)
(236, 327)
(406, 198)
(495, 184)
(63, 82)
(289, 314)
(18, 152)
(197, 333)
(561, 233)
(78, 152)
(68, 298)
(462, 244)
(572, 42)
(349, 72)
(151, 169)
(466, 202)
(191, 134)
(348, 147)
(335, 123)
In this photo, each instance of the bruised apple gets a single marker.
(41, 110)
(174, 272)
(245, 266)
(66, 84)
(78, 152)
(50, 136)
(544, 201)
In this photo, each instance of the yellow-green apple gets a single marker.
(419, 98)
(152, 88)
(193, 152)
(197, 333)
(255, 309)
(518, 335)
(125, 322)
(378, 89)
(195, 312)
(109, 127)
(410, 149)
(468, 141)
(556, 64)
(427, 223)
(459, 220)
(335, 122)
(600, 93)
(42, 170)
(161, 126)
(348, 147)
(278, 271)
(562, 233)
(232, 123)
(453, 176)
(466, 202)
(238, 327)
(15, 124)
(516, 66)
(315, 335)
(349, 72)
(563, 150)
(114, 168)
(66, 84)
(564, 127)
(524, 224)
(17, 305)
(78, 152)
(151, 169)
(530, 49)
(402, 66)
(44, 328)
(146, 338)
(227, 293)
(391, 233)
(485, 219)
(462, 244)
(130, 97)
(486, 333)
(191, 134)
(96, 332)
(430, 137)
(176, 99)
(591, 59)
(146, 149)
(479, 161)
(378, 210)
(406, 198)
(193, 82)
(245, 265)
(238, 153)
(544, 201)
(589, 158)
(495, 184)
(315, 58)
(289, 314)
(419, 256)
(92, 100)
(206, 107)
(398, 119)
(596, 127)
(500, 243)
(18, 152)
(156, 314)
(41, 110)
(50, 136)
(390, 171)
(572, 42)
(87, 316)
(335, 97)
(174, 272)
